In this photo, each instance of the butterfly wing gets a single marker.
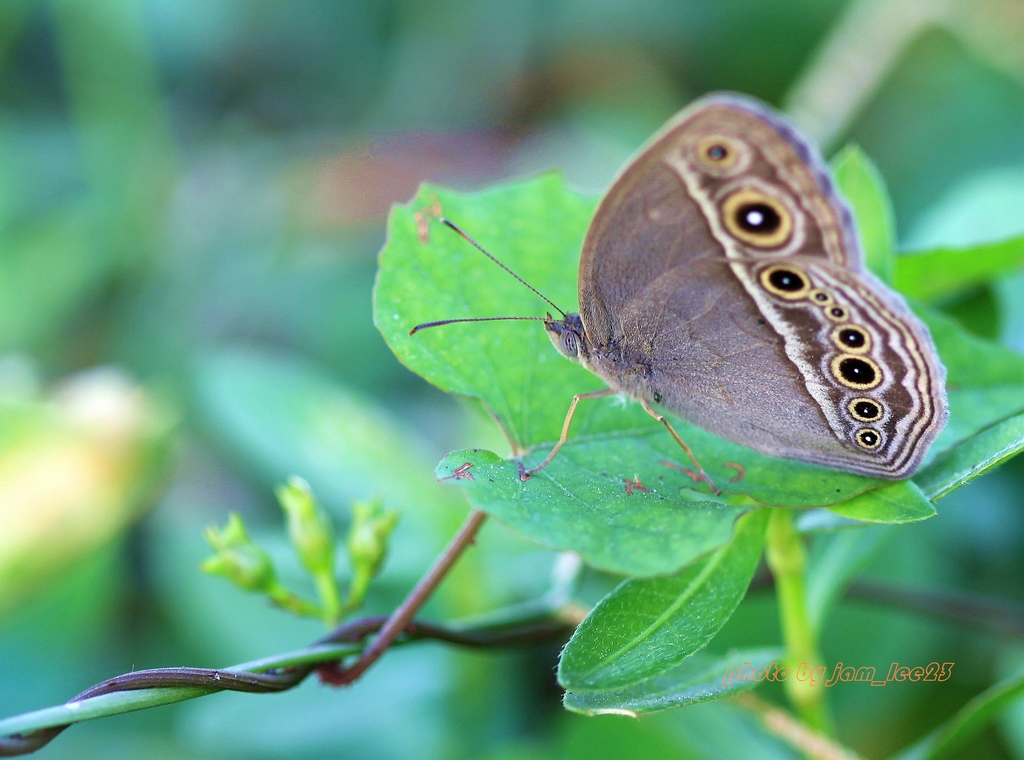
(706, 283)
(865, 358)
(675, 195)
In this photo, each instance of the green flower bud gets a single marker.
(368, 536)
(238, 559)
(308, 526)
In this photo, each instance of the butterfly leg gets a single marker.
(524, 474)
(701, 475)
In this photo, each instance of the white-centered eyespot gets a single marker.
(852, 338)
(864, 409)
(868, 438)
(857, 372)
(757, 219)
(785, 281)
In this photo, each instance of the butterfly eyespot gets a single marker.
(657, 397)
(785, 281)
(856, 371)
(851, 338)
(864, 409)
(720, 154)
(757, 219)
(837, 314)
(868, 438)
(820, 297)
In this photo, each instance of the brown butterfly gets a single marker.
(721, 278)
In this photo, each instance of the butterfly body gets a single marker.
(721, 277)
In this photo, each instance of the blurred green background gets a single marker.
(192, 196)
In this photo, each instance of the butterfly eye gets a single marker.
(569, 343)
(757, 218)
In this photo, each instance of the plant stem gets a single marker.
(288, 600)
(995, 616)
(795, 733)
(787, 560)
(330, 600)
(402, 617)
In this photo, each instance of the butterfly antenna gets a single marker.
(440, 322)
(480, 248)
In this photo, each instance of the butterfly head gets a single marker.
(568, 336)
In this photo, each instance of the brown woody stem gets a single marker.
(402, 617)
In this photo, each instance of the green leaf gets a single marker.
(647, 626)
(942, 272)
(614, 527)
(984, 382)
(972, 457)
(833, 561)
(47, 270)
(898, 502)
(124, 132)
(699, 678)
(287, 417)
(967, 722)
(972, 362)
(861, 184)
(427, 272)
(536, 228)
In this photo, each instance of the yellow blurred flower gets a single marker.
(76, 466)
